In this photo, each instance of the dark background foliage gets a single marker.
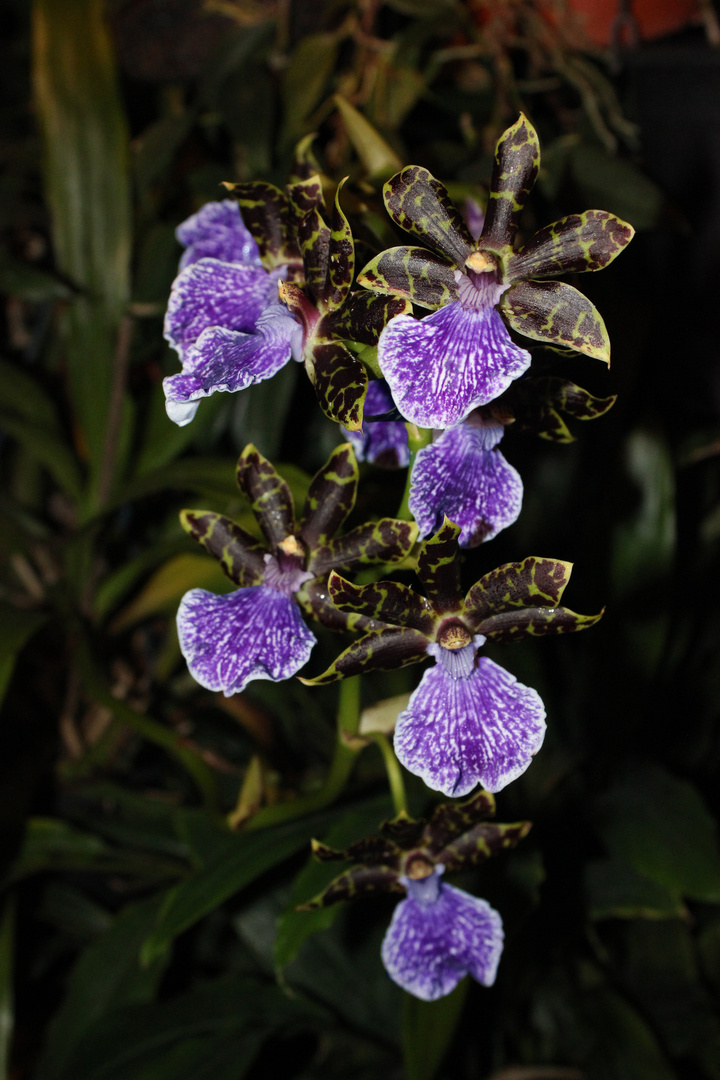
(141, 937)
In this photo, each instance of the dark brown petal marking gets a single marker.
(387, 601)
(269, 494)
(341, 262)
(420, 204)
(531, 583)
(361, 881)
(384, 541)
(421, 276)
(239, 554)
(480, 843)
(305, 195)
(439, 568)
(534, 622)
(536, 405)
(363, 317)
(517, 160)
(389, 648)
(330, 497)
(340, 381)
(314, 237)
(266, 213)
(314, 600)
(555, 312)
(588, 241)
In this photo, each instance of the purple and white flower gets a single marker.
(224, 318)
(463, 476)
(437, 935)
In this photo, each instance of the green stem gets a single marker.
(394, 772)
(348, 722)
(417, 438)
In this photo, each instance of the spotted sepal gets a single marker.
(266, 213)
(314, 238)
(517, 160)
(557, 313)
(269, 494)
(341, 263)
(580, 242)
(420, 204)
(385, 541)
(240, 555)
(534, 622)
(364, 317)
(304, 164)
(340, 382)
(439, 568)
(537, 404)
(330, 497)
(304, 196)
(418, 275)
(534, 582)
(387, 601)
(360, 881)
(383, 650)
(314, 600)
(481, 842)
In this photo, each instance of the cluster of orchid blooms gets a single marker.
(265, 278)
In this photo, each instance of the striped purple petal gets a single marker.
(224, 360)
(213, 293)
(254, 633)
(443, 366)
(438, 935)
(217, 231)
(462, 476)
(462, 730)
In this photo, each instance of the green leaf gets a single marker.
(88, 190)
(164, 590)
(28, 281)
(615, 890)
(661, 827)
(16, 629)
(576, 243)
(622, 1043)
(47, 448)
(616, 184)
(428, 1028)
(517, 161)
(107, 977)
(238, 862)
(295, 927)
(420, 204)
(557, 313)
(304, 80)
(419, 275)
(379, 159)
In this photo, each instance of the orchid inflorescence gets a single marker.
(268, 276)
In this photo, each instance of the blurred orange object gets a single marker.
(603, 20)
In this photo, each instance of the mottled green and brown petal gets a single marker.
(314, 238)
(450, 820)
(239, 554)
(417, 274)
(385, 541)
(330, 497)
(305, 195)
(389, 648)
(266, 213)
(534, 582)
(360, 881)
(439, 568)
(341, 262)
(534, 622)
(420, 204)
(480, 843)
(389, 602)
(314, 600)
(363, 317)
(517, 160)
(340, 382)
(580, 242)
(557, 313)
(269, 494)
(536, 405)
